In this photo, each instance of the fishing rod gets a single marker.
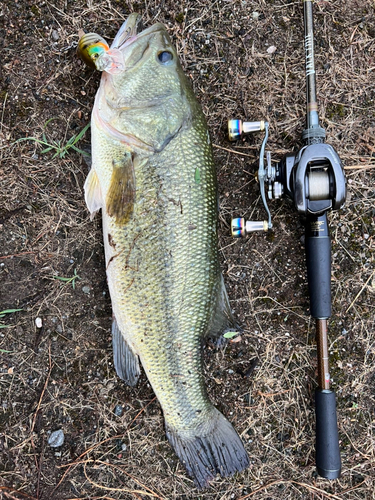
(314, 179)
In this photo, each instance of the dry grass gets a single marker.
(61, 375)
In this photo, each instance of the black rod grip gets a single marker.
(328, 460)
(318, 261)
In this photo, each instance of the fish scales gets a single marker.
(154, 179)
(162, 257)
(169, 251)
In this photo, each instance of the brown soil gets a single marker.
(60, 375)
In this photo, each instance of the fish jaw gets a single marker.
(131, 30)
(128, 31)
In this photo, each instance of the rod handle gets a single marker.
(328, 460)
(318, 261)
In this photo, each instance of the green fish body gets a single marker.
(153, 177)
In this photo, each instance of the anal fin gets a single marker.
(222, 319)
(125, 360)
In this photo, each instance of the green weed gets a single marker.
(60, 149)
(71, 280)
(2, 314)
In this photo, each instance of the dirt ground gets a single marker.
(245, 59)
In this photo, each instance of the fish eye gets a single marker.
(165, 56)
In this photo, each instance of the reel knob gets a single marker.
(240, 228)
(237, 127)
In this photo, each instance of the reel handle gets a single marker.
(236, 128)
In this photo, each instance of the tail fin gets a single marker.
(217, 451)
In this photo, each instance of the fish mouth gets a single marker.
(132, 30)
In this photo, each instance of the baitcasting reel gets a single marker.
(313, 178)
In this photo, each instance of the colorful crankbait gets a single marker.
(96, 54)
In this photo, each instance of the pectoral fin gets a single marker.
(121, 195)
(93, 193)
(125, 360)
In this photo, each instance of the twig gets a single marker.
(265, 395)
(232, 151)
(353, 487)
(93, 498)
(2, 114)
(7, 491)
(360, 167)
(16, 255)
(41, 396)
(39, 468)
(359, 293)
(282, 307)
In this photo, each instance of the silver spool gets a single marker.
(318, 185)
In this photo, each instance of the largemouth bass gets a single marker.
(153, 177)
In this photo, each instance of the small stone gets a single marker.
(271, 50)
(56, 439)
(86, 289)
(118, 411)
(38, 322)
(255, 15)
(55, 35)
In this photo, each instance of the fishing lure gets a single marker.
(96, 54)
